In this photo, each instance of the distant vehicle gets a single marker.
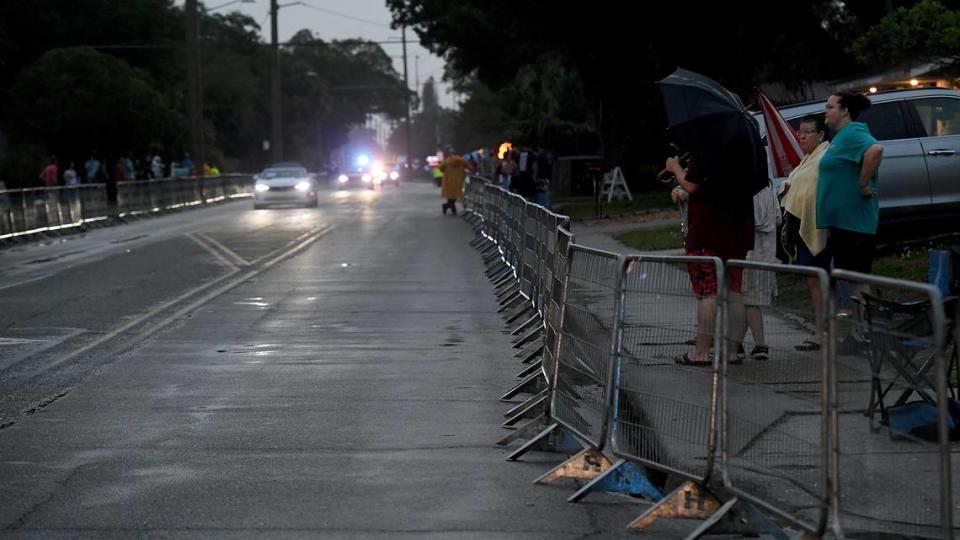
(284, 184)
(364, 172)
(919, 177)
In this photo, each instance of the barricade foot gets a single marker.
(503, 284)
(519, 408)
(530, 370)
(525, 325)
(509, 288)
(531, 337)
(530, 352)
(552, 439)
(491, 257)
(738, 517)
(510, 302)
(519, 311)
(529, 429)
(531, 407)
(688, 501)
(622, 477)
(585, 465)
(529, 385)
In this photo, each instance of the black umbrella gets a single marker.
(711, 123)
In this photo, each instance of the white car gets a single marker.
(284, 185)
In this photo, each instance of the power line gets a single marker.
(343, 15)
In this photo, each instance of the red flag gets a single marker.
(785, 151)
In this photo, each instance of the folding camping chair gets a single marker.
(900, 336)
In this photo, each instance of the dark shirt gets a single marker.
(544, 165)
(719, 216)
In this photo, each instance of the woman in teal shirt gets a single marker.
(847, 202)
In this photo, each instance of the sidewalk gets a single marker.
(600, 234)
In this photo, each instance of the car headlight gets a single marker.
(343, 179)
(302, 186)
(261, 187)
(394, 175)
(366, 177)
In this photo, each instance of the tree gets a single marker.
(568, 67)
(927, 31)
(75, 100)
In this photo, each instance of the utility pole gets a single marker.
(194, 105)
(406, 87)
(276, 143)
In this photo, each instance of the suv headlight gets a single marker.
(343, 179)
(302, 186)
(394, 175)
(366, 177)
(261, 187)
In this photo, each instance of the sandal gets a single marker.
(807, 345)
(685, 360)
(760, 352)
(738, 359)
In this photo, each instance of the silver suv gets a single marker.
(919, 178)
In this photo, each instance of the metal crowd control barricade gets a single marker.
(774, 406)
(891, 419)
(93, 202)
(664, 413)
(546, 368)
(586, 352)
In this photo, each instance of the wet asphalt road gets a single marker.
(225, 372)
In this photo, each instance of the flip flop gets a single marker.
(685, 360)
(807, 346)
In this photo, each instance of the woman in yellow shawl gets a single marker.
(799, 199)
(454, 171)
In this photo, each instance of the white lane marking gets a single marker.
(212, 250)
(232, 255)
(24, 281)
(194, 305)
(294, 241)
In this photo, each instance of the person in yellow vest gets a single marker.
(214, 171)
(454, 168)
(206, 169)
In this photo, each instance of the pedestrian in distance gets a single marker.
(542, 174)
(70, 176)
(805, 244)
(454, 170)
(51, 173)
(508, 169)
(120, 170)
(156, 167)
(95, 170)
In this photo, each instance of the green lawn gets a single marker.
(585, 208)
(653, 239)
(907, 263)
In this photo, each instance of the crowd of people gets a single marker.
(526, 172)
(124, 168)
(831, 211)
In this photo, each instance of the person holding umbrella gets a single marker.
(726, 167)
